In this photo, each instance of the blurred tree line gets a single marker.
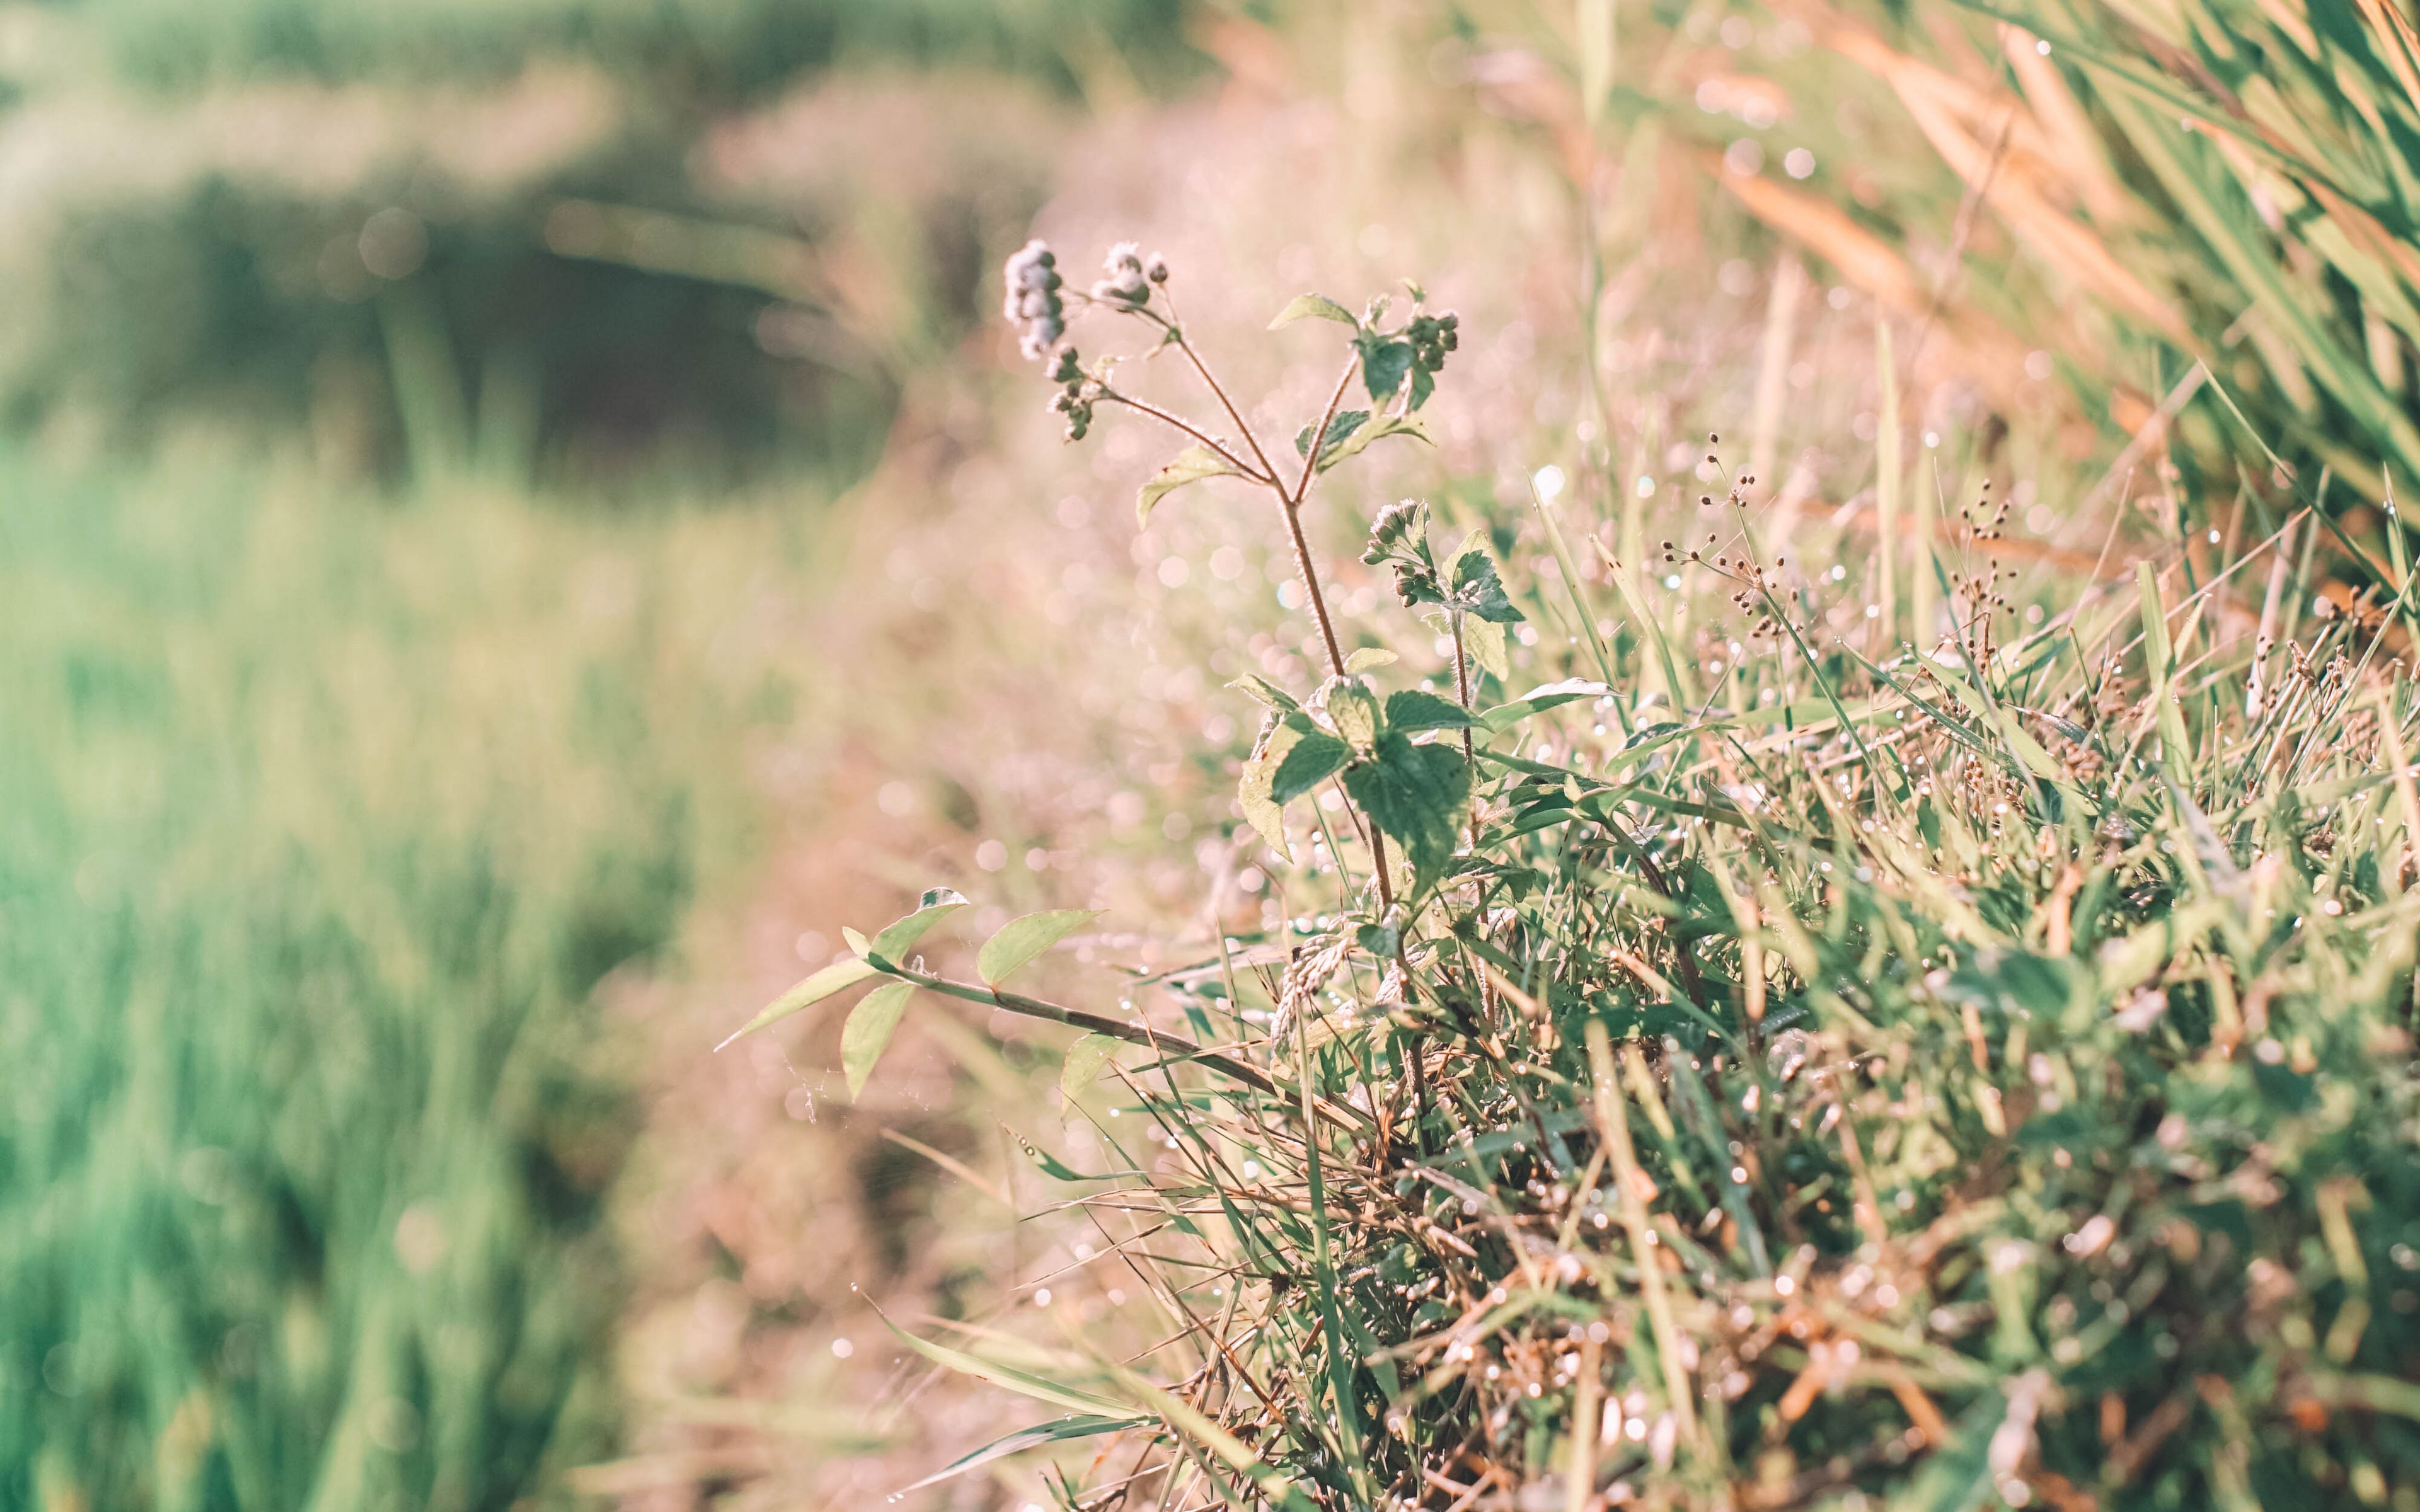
(528, 239)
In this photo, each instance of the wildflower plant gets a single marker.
(1781, 1071)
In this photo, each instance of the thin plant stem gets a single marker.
(1191, 430)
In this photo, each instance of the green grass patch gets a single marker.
(320, 823)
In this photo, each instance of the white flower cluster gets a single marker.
(1129, 279)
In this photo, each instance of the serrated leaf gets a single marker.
(1413, 710)
(1022, 939)
(1351, 709)
(1479, 592)
(1085, 1058)
(1484, 641)
(1191, 465)
(1267, 694)
(1383, 362)
(1254, 789)
(1314, 758)
(863, 1038)
(1367, 658)
(838, 977)
(1339, 430)
(1310, 306)
(1377, 430)
(1419, 795)
(1083, 1426)
(895, 941)
(1481, 642)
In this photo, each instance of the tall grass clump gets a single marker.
(1752, 1066)
(321, 828)
(2229, 189)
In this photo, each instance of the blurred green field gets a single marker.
(324, 819)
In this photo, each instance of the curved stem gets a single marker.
(1185, 344)
(1242, 467)
(1172, 1045)
(1319, 436)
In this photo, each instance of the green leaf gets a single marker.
(1413, 710)
(1022, 939)
(1261, 690)
(1351, 708)
(1377, 430)
(1085, 1058)
(868, 1030)
(1038, 1387)
(1339, 430)
(1191, 465)
(1483, 640)
(1314, 758)
(858, 944)
(1417, 793)
(1383, 362)
(895, 941)
(1538, 700)
(1083, 1427)
(1478, 590)
(1367, 658)
(837, 977)
(1305, 306)
(1254, 789)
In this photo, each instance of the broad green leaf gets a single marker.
(1413, 710)
(1191, 465)
(837, 977)
(1420, 794)
(1305, 306)
(1085, 1058)
(1022, 939)
(1261, 690)
(1383, 362)
(1352, 709)
(1038, 1387)
(1377, 430)
(1480, 592)
(868, 1032)
(1483, 641)
(1314, 758)
(1341, 427)
(1084, 1426)
(1254, 790)
(1367, 658)
(895, 939)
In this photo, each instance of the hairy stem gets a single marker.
(1170, 1045)
(1241, 467)
(1185, 344)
